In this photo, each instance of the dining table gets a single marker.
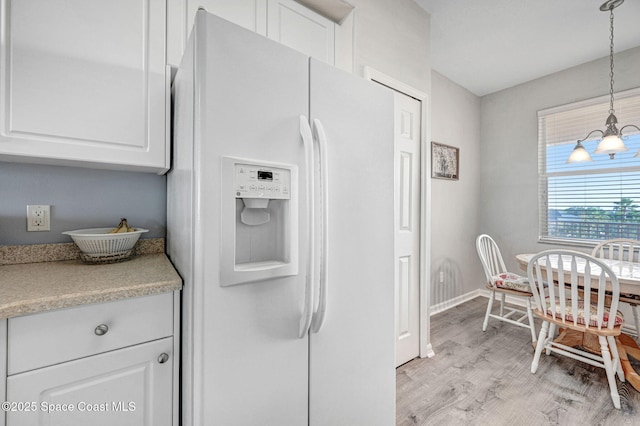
(628, 274)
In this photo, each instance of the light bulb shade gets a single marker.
(610, 145)
(579, 155)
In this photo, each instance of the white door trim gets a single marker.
(426, 349)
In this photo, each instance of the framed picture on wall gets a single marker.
(445, 161)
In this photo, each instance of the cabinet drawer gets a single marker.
(48, 338)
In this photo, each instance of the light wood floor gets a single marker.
(481, 378)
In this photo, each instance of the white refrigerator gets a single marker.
(280, 222)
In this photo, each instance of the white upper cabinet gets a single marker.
(295, 26)
(285, 21)
(251, 14)
(84, 82)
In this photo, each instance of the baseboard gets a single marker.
(448, 304)
(459, 300)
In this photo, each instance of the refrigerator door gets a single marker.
(245, 362)
(352, 372)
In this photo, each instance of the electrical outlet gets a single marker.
(38, 218)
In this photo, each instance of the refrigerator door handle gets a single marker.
(319, 315)
(307, 310)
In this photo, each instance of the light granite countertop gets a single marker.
(27, 288)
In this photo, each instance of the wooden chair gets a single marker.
(502, 282)
(559, 302)
(627, 250)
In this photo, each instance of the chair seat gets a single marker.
(619, 319)
(511, 281)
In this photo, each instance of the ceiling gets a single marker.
(490, 45)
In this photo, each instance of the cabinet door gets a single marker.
(83, 82)
(250, 14)
(300, 28)
(125, 387)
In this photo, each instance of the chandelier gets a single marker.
(611, 141)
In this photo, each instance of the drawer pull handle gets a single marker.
(163, 357)
(101, 330)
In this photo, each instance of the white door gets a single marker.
(407, 226)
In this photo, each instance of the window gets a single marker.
(598, 200)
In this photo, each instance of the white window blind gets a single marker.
(596, 200)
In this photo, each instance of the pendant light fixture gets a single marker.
(611, 141)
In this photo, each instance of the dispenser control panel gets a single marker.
(253, 181)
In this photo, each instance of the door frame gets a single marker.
(371, 74)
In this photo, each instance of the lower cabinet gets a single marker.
(131, 386)
(113, 363)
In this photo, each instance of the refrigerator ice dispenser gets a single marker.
(260, 221)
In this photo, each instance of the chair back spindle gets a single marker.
(490, 257)
(621, 249)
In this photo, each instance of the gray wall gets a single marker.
(509, 142)
(79, 198)
(393, 38)
(455, 117)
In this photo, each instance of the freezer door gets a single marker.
(247, 365)
(352, 355)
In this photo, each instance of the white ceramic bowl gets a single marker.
(99, 241)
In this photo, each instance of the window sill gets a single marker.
(565, 242)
